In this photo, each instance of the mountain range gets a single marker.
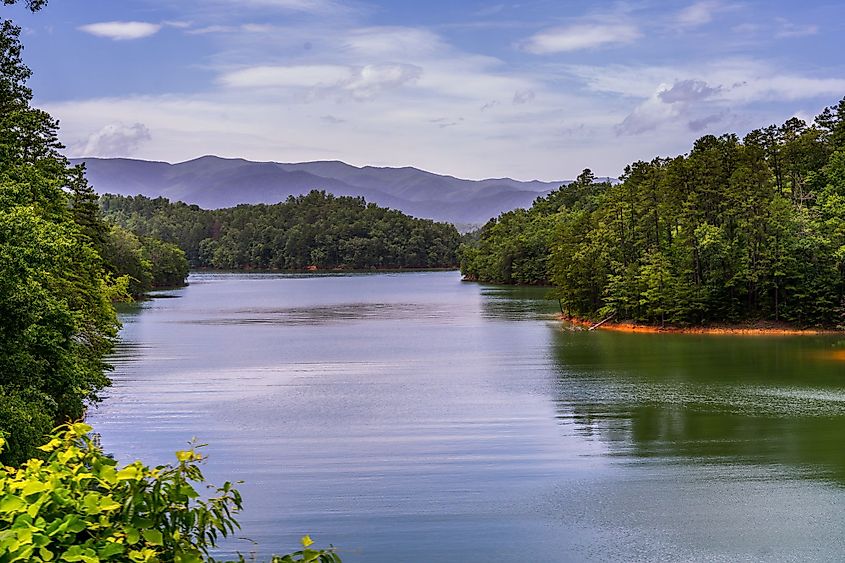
(213, 182)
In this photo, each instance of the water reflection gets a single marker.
(417, 418)
(315, 315)
(706, 399)
(517, 303)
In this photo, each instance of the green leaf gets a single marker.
(24, 536)
(142, 523)
(74, 524)
(91, 503)
(129, 473)
(111, 549)
(188, 491)
(107, 503)
(187, 558)
(132, 535)
(81, 429)
(153, 537)
(51, 445)
(309, 555)
(11, 503)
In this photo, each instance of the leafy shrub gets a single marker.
(79, 506)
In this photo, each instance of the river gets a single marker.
(412, 417)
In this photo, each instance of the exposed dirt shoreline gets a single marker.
(763, 328)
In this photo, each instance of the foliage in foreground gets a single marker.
(78, 505)
(735, 230)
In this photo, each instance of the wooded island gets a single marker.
(317, 230)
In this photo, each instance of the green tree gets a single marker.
(735, 230)
(56, 318)
(316, 229)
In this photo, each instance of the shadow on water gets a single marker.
(318, 315)
(693, 399)
(517, 303)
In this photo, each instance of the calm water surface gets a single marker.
(415, 418)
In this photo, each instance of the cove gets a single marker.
(413, 417)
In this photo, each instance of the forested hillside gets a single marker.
(56, 317)
(315, 230)
(735, 230)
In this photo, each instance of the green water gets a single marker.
(412, 417)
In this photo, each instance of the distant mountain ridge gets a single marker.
(214, 182)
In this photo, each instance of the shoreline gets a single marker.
(321, 271)
(762, 328)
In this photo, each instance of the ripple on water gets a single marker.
(409, 418)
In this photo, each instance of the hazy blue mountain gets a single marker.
(213, 182)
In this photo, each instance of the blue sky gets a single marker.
(535, 89)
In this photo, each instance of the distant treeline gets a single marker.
(735, 230)
(314, 230)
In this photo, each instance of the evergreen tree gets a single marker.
(735, 230)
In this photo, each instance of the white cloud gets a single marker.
(702, 123)
(704, 12)
(684, 102)
(362, 82)
(787, 87)
(649, 115)
(524, 97)
(178, 24)
(697, 96)
(790, 29)
(698, 14)
(298, 76)
(318, 7)
(121, 30)
(245, 28)
(738, 80)
(116, 139)
(394, 42)
(577, 37)
(396, 128)
(369, 80)
(687, 91)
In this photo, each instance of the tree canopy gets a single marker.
(56, 318)
(734, 230)
(60, 270)
(314, 230)
(33, 5)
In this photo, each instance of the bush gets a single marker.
(79, 506)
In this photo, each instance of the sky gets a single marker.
(529, 90)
